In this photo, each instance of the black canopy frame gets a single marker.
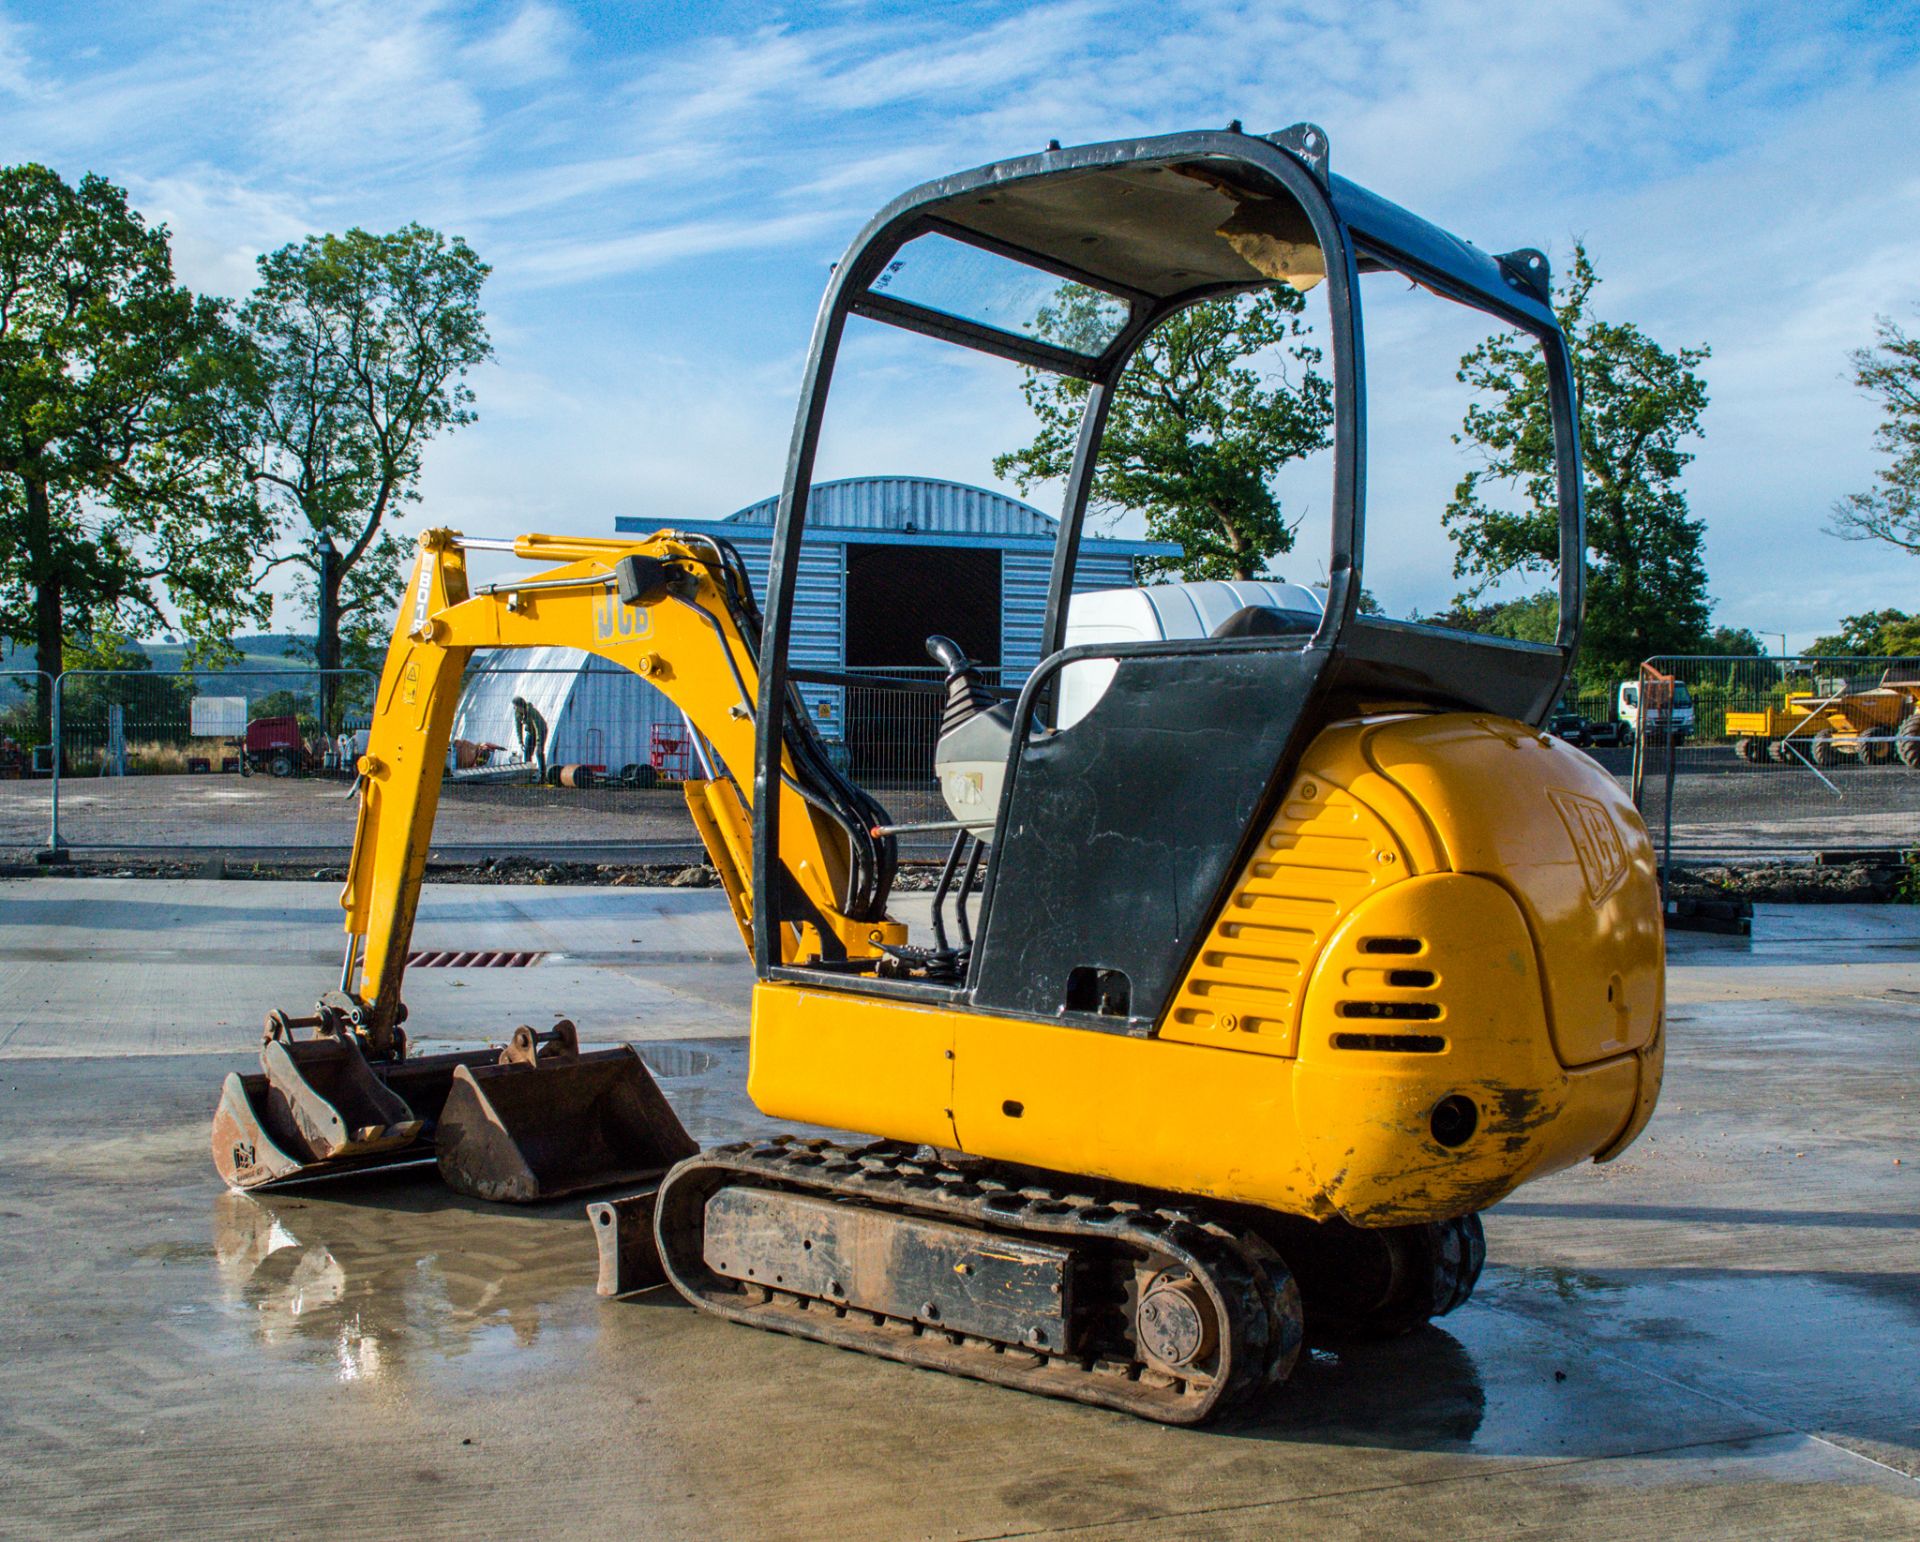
(1045, 199)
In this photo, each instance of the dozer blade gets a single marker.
(547, 1121)
(318, 1107)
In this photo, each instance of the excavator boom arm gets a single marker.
(666, 608)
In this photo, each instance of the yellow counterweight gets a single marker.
(1438, 974)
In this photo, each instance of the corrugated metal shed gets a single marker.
(910, 505)
(596, 712)
(918, 511)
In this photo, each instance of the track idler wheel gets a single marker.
(1175, 1322)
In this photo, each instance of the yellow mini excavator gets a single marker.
(1266, 971)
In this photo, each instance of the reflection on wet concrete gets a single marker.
(359, 1276)
(364, 1271)
(365, 1281)
(1833, 1350)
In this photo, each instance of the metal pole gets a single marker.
(1666, 840)
(53, 825)
(1639, 738)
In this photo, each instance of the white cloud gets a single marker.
(533, 45)
(572, 262)
(18, 76)
(220, 225)
(1747, 176)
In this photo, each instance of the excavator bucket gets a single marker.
(318, 1107)
(535, 1121)
(548, 1120)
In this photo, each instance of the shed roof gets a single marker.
(909, 505)
(912, 509)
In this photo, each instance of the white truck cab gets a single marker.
(1679, 715)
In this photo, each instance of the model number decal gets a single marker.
(423, 596)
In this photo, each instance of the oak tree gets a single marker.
(1639, 405)
(118, 511)
(1890, 511)
(360, 349)
(1203, 418)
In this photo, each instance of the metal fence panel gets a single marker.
(227, 760)
(1779, 758)
(26, 761)
(554, 753)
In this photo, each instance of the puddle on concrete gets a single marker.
(356, 1285)
(677, 1060)
(354, 1276)
(1829, 1351)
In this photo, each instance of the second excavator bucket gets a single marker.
(549, 1120)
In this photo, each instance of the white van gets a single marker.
(1679, 715)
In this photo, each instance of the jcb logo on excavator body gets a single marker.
(1596, 841)
(612, 619)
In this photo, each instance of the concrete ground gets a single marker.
(1713, 1336)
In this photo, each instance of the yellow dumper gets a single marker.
(1875, 726)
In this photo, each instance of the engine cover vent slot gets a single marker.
(1391, 945)
(1400, 1011)
(1392, 1043)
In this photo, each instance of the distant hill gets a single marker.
(265, 651)
(269, 650)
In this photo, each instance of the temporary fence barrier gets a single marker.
(236, 759)
(552, 754)
(1768, 759)
(26, 759)
(566, 755)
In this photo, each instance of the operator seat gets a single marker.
(976, 732)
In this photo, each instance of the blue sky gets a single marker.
(662, 188)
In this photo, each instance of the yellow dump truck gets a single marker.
(1875, 726)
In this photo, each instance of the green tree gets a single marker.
(360, 348)
(114, 671)
(1734, 642)
(1878, 634)
(1646, 578)
(1890, 512)
(1202, 419)
(1534, 618)
(116, 505)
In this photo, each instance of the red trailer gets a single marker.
(274, 745)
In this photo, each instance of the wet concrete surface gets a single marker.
(1713, 1336)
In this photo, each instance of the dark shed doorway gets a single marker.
(897, 597)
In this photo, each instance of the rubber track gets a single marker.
(1255, 1301)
